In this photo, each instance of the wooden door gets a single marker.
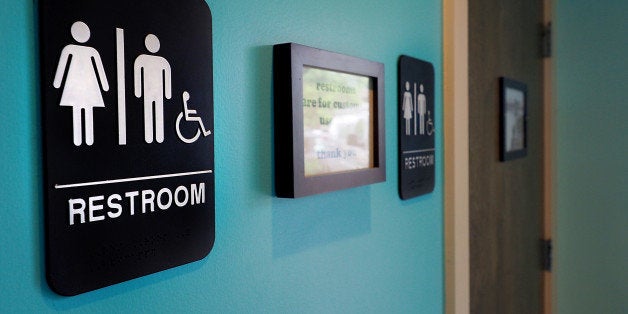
(506, 198)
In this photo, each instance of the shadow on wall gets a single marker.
(263, 139)
(313, 221)
(305, 223)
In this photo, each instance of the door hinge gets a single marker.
(546, 40)
(546, 254)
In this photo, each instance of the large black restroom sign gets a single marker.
(127, 106)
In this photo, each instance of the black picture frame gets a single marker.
(290, 62)
(513, 119)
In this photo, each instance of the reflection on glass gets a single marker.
(337, 121)
(514, 120)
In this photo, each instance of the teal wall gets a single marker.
(353, 251)
(592, 147)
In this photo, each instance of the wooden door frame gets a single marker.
(548, 156)
(456, 135)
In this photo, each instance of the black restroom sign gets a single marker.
(127, 106)
(417, 154)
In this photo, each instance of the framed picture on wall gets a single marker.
(513, 119)
(329, 121)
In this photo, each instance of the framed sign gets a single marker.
(329, 121)
(127, 120)
(416, 127)
(513, 119)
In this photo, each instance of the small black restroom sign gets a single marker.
(416, 127)
(127, 107)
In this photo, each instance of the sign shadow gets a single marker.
(314, 221)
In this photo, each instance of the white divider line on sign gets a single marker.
(162, 176)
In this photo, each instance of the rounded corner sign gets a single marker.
(127, 112)
(416, 127)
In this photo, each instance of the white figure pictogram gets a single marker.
(152, 80)
(422, 107)
(407, 107)
(85, 76)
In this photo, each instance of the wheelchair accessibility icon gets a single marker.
(429, 127)
(189, 115)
